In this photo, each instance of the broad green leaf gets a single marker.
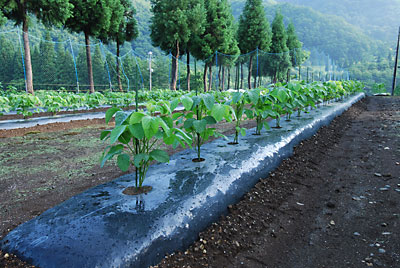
(104, 134)
(120, 117)
(174, 104)
(254, 96)
(243, 131)
(136, 117)
(187, 103)
(196, 100)
(117, 149)
(168, 120)
(137, 131)
(218, 111)
(236, 97)
(282, 95)
(116, 132)
(164, 126)
(266, 125)
(210, 120)
(208, 100)
(159, 134)
(125, 137)
(184, 136)
(139, 158)
(200, 125)
(159, 155)
(123, 162)
(230, 113)
(188, 123)
(150, 126)
(176, 115)
(249, 113)
(168, 140)
(110, 112)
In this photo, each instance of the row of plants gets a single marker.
(55, 101)
(137, 138)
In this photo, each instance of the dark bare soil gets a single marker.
(335, 203)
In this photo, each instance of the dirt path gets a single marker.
(327, 206)
(335, 203)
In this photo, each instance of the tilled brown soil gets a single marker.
(333, 204)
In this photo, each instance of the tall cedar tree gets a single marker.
(2, 18)
(49, 12)
(7, 52)
(254, 31)
(92, 17)
(197, 18)
(47, 66)
(65, 70)
(280, 60)
(126, 31)
(297, 55)
(170, 29)
(218, 35)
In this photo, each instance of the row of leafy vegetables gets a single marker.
(55, 101)
(138, 137)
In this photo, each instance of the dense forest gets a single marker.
(336, 41)
(378, 19)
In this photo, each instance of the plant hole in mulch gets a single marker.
(198, 160)
(233, 143)
(136, 191)
(276, 127)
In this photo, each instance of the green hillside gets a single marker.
(329, 34)
(378, 19)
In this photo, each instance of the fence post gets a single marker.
(216, 70)
(256, 78)
(76, 71)
(123, 71)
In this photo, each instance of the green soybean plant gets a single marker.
(137, 137)
(260, 109)
(304, 96)
(278, 96)
(202, 113)
(238, 106)
(4, 105)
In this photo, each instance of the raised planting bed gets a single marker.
(102, 227)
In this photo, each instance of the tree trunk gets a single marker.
(241, 76)
(28, 62)
(299, 73)
(250, 70)
(255, 81)
(210, 80)
(237, 77)
(229, 77)
(188, 69)
(223, 78)
(205, 77)
(288, 75)
(89, 63)
(175, 67)
(118, 75)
